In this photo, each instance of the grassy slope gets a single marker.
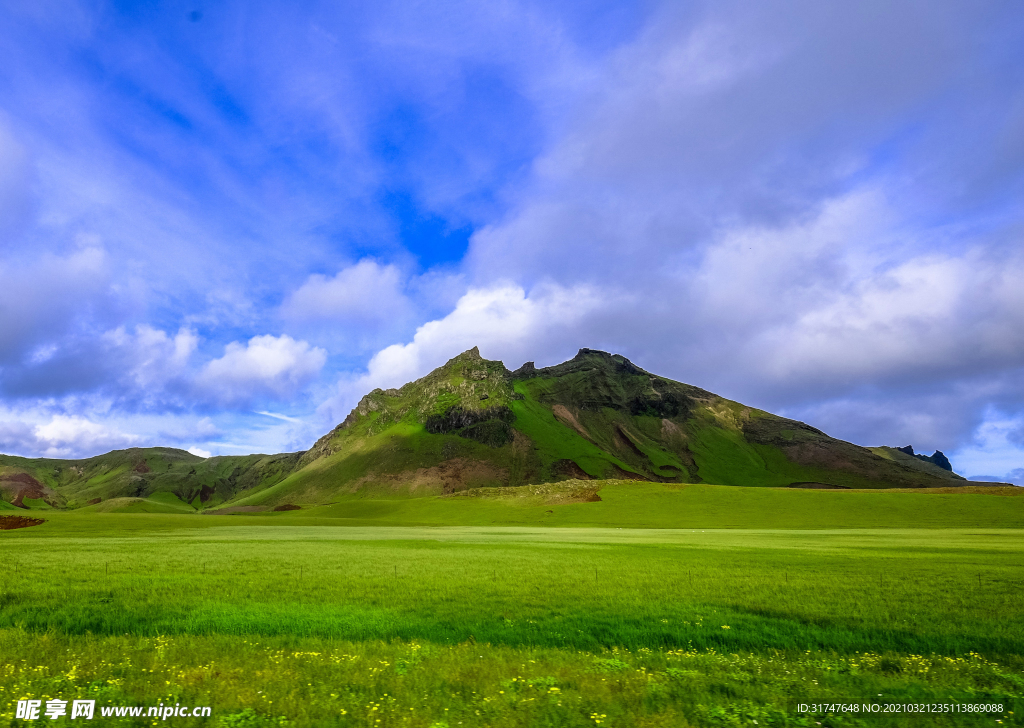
(554, 441)
(378, 464)
(892, 453)
(157, 503)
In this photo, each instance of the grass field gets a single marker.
(633, 504)
(296, 619)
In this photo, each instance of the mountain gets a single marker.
(473, 423)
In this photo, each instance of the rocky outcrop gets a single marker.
(936, 458)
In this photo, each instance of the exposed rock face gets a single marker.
(456, 418)
(489, 426)
(526, 371)
(936, 458)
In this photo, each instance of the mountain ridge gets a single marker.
(474, 423)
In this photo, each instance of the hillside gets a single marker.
(473, 423)
(138, 473)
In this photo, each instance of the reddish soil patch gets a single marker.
(94, 501)
(141, 467)
(569, 469)
(22, 485)
(9, 523)
(288, 507)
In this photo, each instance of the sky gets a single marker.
(222, 223)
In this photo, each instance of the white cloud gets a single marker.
(200, 452)
(275, 366)
(504, 321)
(933, 314)
(62, 437)
(152, 357)
(68, 435)
(995, 447)
(364, 292)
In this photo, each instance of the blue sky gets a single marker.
(222, 223)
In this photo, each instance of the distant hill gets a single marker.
(138, 473)
(473, 423)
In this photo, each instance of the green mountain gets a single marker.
(473, 423)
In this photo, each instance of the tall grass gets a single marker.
(369, 684)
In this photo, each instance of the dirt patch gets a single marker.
(620, 474)
(818, 486)
(21, 486)
(449, 477)
(94, 501)
(23, 478)
(288, 507)
(141, 467)
(459, 474)
(670, 430)
(9, 523)
(564, 416)
(626, 440)
(569, 470)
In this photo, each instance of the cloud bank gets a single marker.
(814, 209)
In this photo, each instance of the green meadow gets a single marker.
(487, 610)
